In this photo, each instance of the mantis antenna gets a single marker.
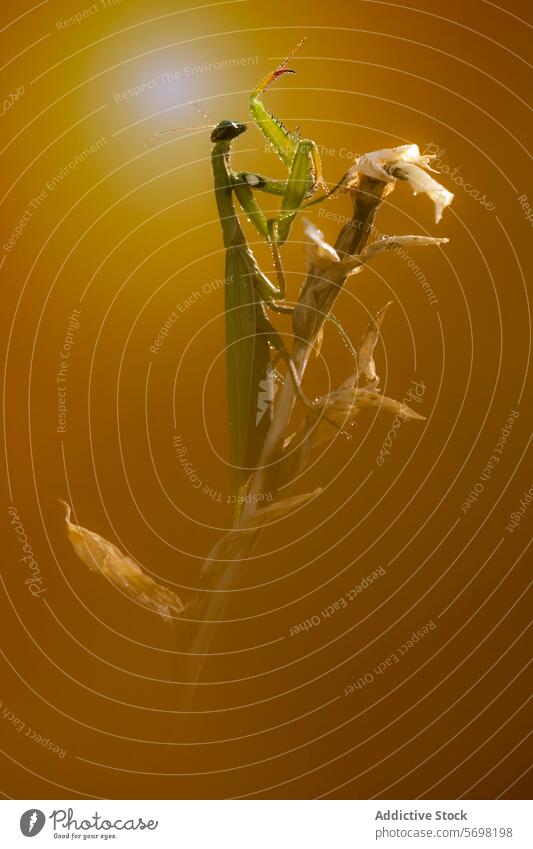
(179, 130)
(205, 116)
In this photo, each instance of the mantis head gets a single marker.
(227, 130)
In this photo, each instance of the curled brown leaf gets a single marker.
(104, 557)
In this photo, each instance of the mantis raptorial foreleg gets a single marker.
(301, 156)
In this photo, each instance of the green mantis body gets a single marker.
(249, 334)
(247, 327)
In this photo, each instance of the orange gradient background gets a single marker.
(129, 233)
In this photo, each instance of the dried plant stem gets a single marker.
(220, 574)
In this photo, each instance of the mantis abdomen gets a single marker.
(249, 367)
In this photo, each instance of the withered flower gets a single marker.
(404, 163)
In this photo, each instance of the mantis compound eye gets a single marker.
(227, 130)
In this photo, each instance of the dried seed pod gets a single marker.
(104, 557)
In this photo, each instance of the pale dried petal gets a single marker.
(322, 257)
(320, 253)
(376, 164)
(421, 181)
(104, 557)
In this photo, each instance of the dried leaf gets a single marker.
(338, 414)
(365, 359)
(104, 557)
(389, 243)
(279, 509)
(340, 408)
(369, 397)
(318, 341)
(323, 258)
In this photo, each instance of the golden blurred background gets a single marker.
(109, 241)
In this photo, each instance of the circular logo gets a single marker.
(32, 822)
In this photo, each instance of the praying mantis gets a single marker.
(248, 292)
(249, 334)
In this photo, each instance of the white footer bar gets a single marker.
(268, 824)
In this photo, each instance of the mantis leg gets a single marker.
(274, 339)
(260, 183)
(283, 142)
(287, 146)
(274, 298)
(257, 217)
(299, 185)
(267, 229)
